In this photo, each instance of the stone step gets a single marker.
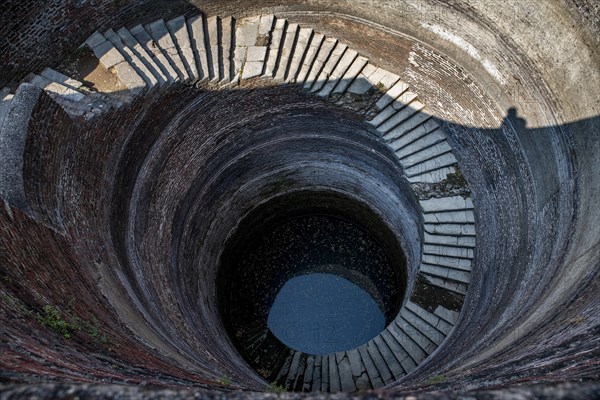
(345, 372)
(434, 320)
(373, 77)
(213, 48)
(415, 334)
(463, 264)
(423, 325)
(316, 379)
(348, 78)
(226, 49)
(436, 205)
(334, 375)
(433, 176)
(406, 106)
(308, 374)
(112, 60)
(427, 141)
(391, 95)
(58, 77)
(131, 58)
(333, 60)
(246, 33)
(372, 371)
(317, 66)
(181, 37)
(388, 356)
(457, 241)
(448, 284)
(302, 45)
(286, 52)
(162, 37)
(384, 371)
(453, 217)
(338, 72)
(151, 47)
(390, 111)
(277, 38)
(299, 379)
(439, 162)
(401, 355)
(415, 352)
(293, 371)
(409, 125)
(252, 44)
(325, 373)
(131, 42)
(446, 273)
(450, 229)
(285, 368)
(449, 316)
(309, 58)
(425, 154)
(359, 372)
(196, 28)
(398, 138)
(448, 251)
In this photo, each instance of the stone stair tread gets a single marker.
(285, 56)
(447, 315)
(160, 33)
(432, 319)
(334, 375)
(285, 368)
(275, 47)
(401, 355)
(452, 203)
(456, 252)
(433, 176)
(453, 286)
(454, 217)
(372, 371)
(198, 44)
(421, 143)
(426, 154)
(463, 264)
(60, 91)
(213, 48)
(339, 71)
(226, 46)
(389, 358)
(330, 64)
(318, 64)
(415, 352)
(58, 77)
(443, 160)
(316, 379)
(384, 371)
(429, 329)
(308, 374)
(312, 52)
(458, 241)
(450, 229)
(181, 37)
(415, 334)
(403, 108)
(345, 372)
(391, 95)
(325, 373)
(151, 47)
(131, 42)
(446, 273)
(302, 45)
(348, 78)
(398, 139)
(131, 58)
(293, 371)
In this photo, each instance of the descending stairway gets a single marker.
(225, 52)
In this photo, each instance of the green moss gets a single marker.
(52, 319)
(273, 387)
(225, 380)
(436, 379)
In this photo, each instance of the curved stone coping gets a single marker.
(198, 48)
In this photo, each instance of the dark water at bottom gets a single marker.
(322, 313)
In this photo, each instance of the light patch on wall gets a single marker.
(468, 47)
